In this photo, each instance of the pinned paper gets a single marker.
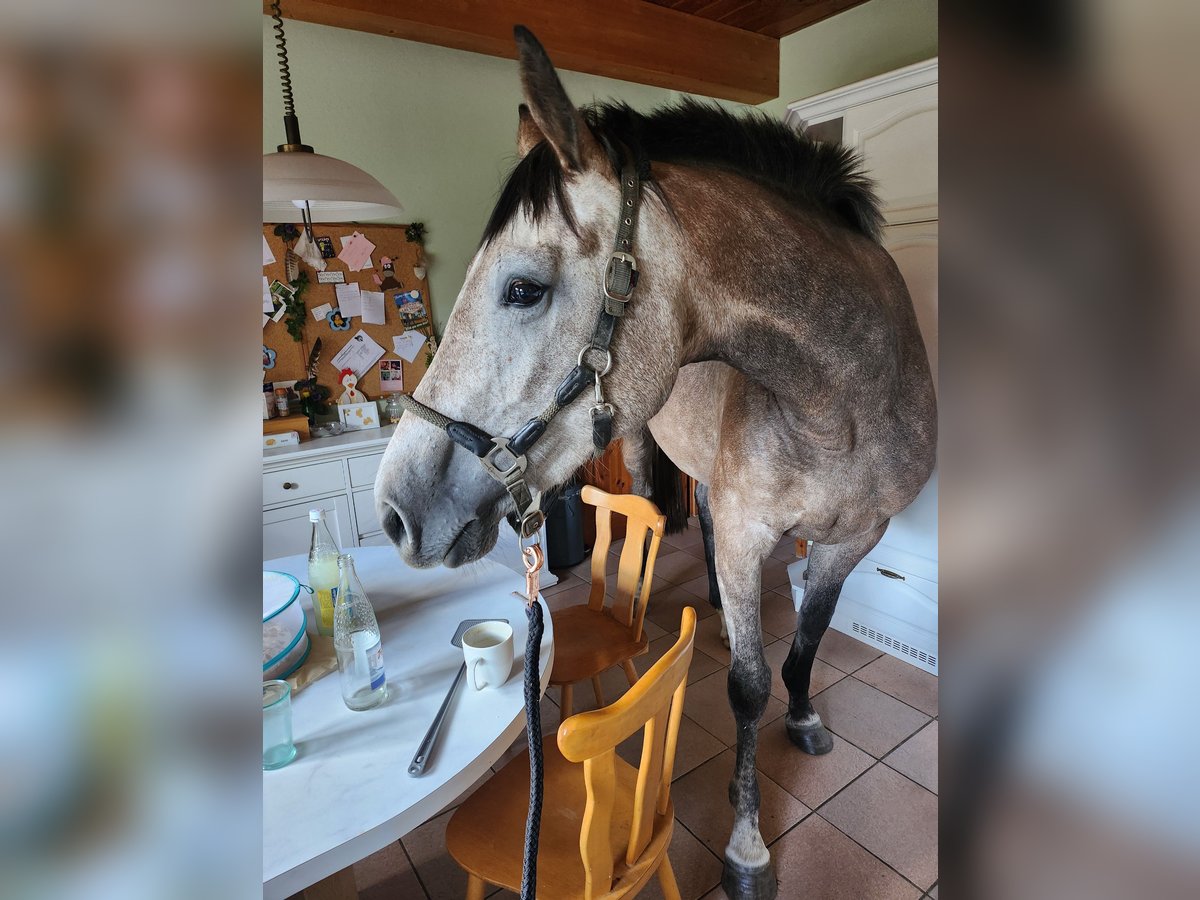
(359, 354)
(267, 305)
(356, 252)
(308, 251)
(373, 308)
(408, 345)
(280, 313)
(335, 276)
(266, 319)
(391, 376)
(349, 299)
(268, 256)
(322, 311)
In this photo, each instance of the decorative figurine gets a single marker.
(352, 394)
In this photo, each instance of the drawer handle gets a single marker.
(290, 486)
(888, 573)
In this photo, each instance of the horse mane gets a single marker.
(826, 179)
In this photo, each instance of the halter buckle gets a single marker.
(620, 258)
(502, 463)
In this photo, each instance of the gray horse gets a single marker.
(771, 352)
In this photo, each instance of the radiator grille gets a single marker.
(887, 640)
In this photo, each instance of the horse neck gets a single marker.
(772, 292)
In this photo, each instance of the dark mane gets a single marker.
(821, 178)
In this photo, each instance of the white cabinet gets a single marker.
(336, 474)
(890, 599)
(287, 530)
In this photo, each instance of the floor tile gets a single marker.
(652, 631)
(695, 746)
(844, 652)
(933, 892)
(866, 716)
(701, 801)
(707, 704)
(785, 550)
(696, 870)
(904, 681)
(778, 614)
(810, 779)
(387, 874)
(702, 665)
(775, 574)
(708, 639)
(823, 674)
(894, 818)
(565, 580)
(678, 568)
(665, 608)
(573, 595)
(814, 860)
(918, 757)
(690, 537)
(698, 587)
(440, 875)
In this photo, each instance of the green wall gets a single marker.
(438, 126)
(862, 42)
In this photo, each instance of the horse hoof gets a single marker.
(741, 883)
(815, 740)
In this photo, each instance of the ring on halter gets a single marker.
(607, 358)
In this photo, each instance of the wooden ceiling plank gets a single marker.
(780, 18)
(627, 39)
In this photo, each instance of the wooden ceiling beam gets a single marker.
(627, 39)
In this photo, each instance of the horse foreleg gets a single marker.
(710, 556)
(828, 566)
(748, 874)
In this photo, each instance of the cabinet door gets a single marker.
(915, 249)
(287, 531)
(897, 137)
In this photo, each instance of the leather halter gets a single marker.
(504, 458)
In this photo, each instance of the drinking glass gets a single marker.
(278, 749)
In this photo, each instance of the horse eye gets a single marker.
(524, 293)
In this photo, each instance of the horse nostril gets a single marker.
(393, 525)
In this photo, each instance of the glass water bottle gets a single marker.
(322, 570)
(357, 642)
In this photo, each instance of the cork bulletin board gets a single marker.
(290, 355)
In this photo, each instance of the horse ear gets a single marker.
(552, 113)
(528, 134)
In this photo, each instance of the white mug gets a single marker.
(488, 648)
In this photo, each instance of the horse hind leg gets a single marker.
(710, 556)
(828, 566)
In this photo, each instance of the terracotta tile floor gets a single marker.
(859, 823)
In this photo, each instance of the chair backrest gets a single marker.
(655, 703)
(642, 517)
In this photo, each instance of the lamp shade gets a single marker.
(336, 191)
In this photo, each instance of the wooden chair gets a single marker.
(590, 638)
(606, 826)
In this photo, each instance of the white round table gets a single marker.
(348, 794)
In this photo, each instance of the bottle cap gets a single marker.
(315, 515)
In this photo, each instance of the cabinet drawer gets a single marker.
(299, 482)
(363, 469)
(364, 512)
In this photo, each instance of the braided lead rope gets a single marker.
(532, 555)
(421, 411)
(533, 717)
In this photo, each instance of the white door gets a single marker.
(915, 249)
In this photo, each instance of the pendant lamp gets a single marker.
(302, 186)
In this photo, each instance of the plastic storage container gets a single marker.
(564, 530)
(285, 640)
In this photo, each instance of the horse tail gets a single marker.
(667, 488)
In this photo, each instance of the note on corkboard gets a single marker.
(290, 356)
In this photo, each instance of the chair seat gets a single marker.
(486, 835)
(588, 642)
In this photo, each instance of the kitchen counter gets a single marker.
(346, 442)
